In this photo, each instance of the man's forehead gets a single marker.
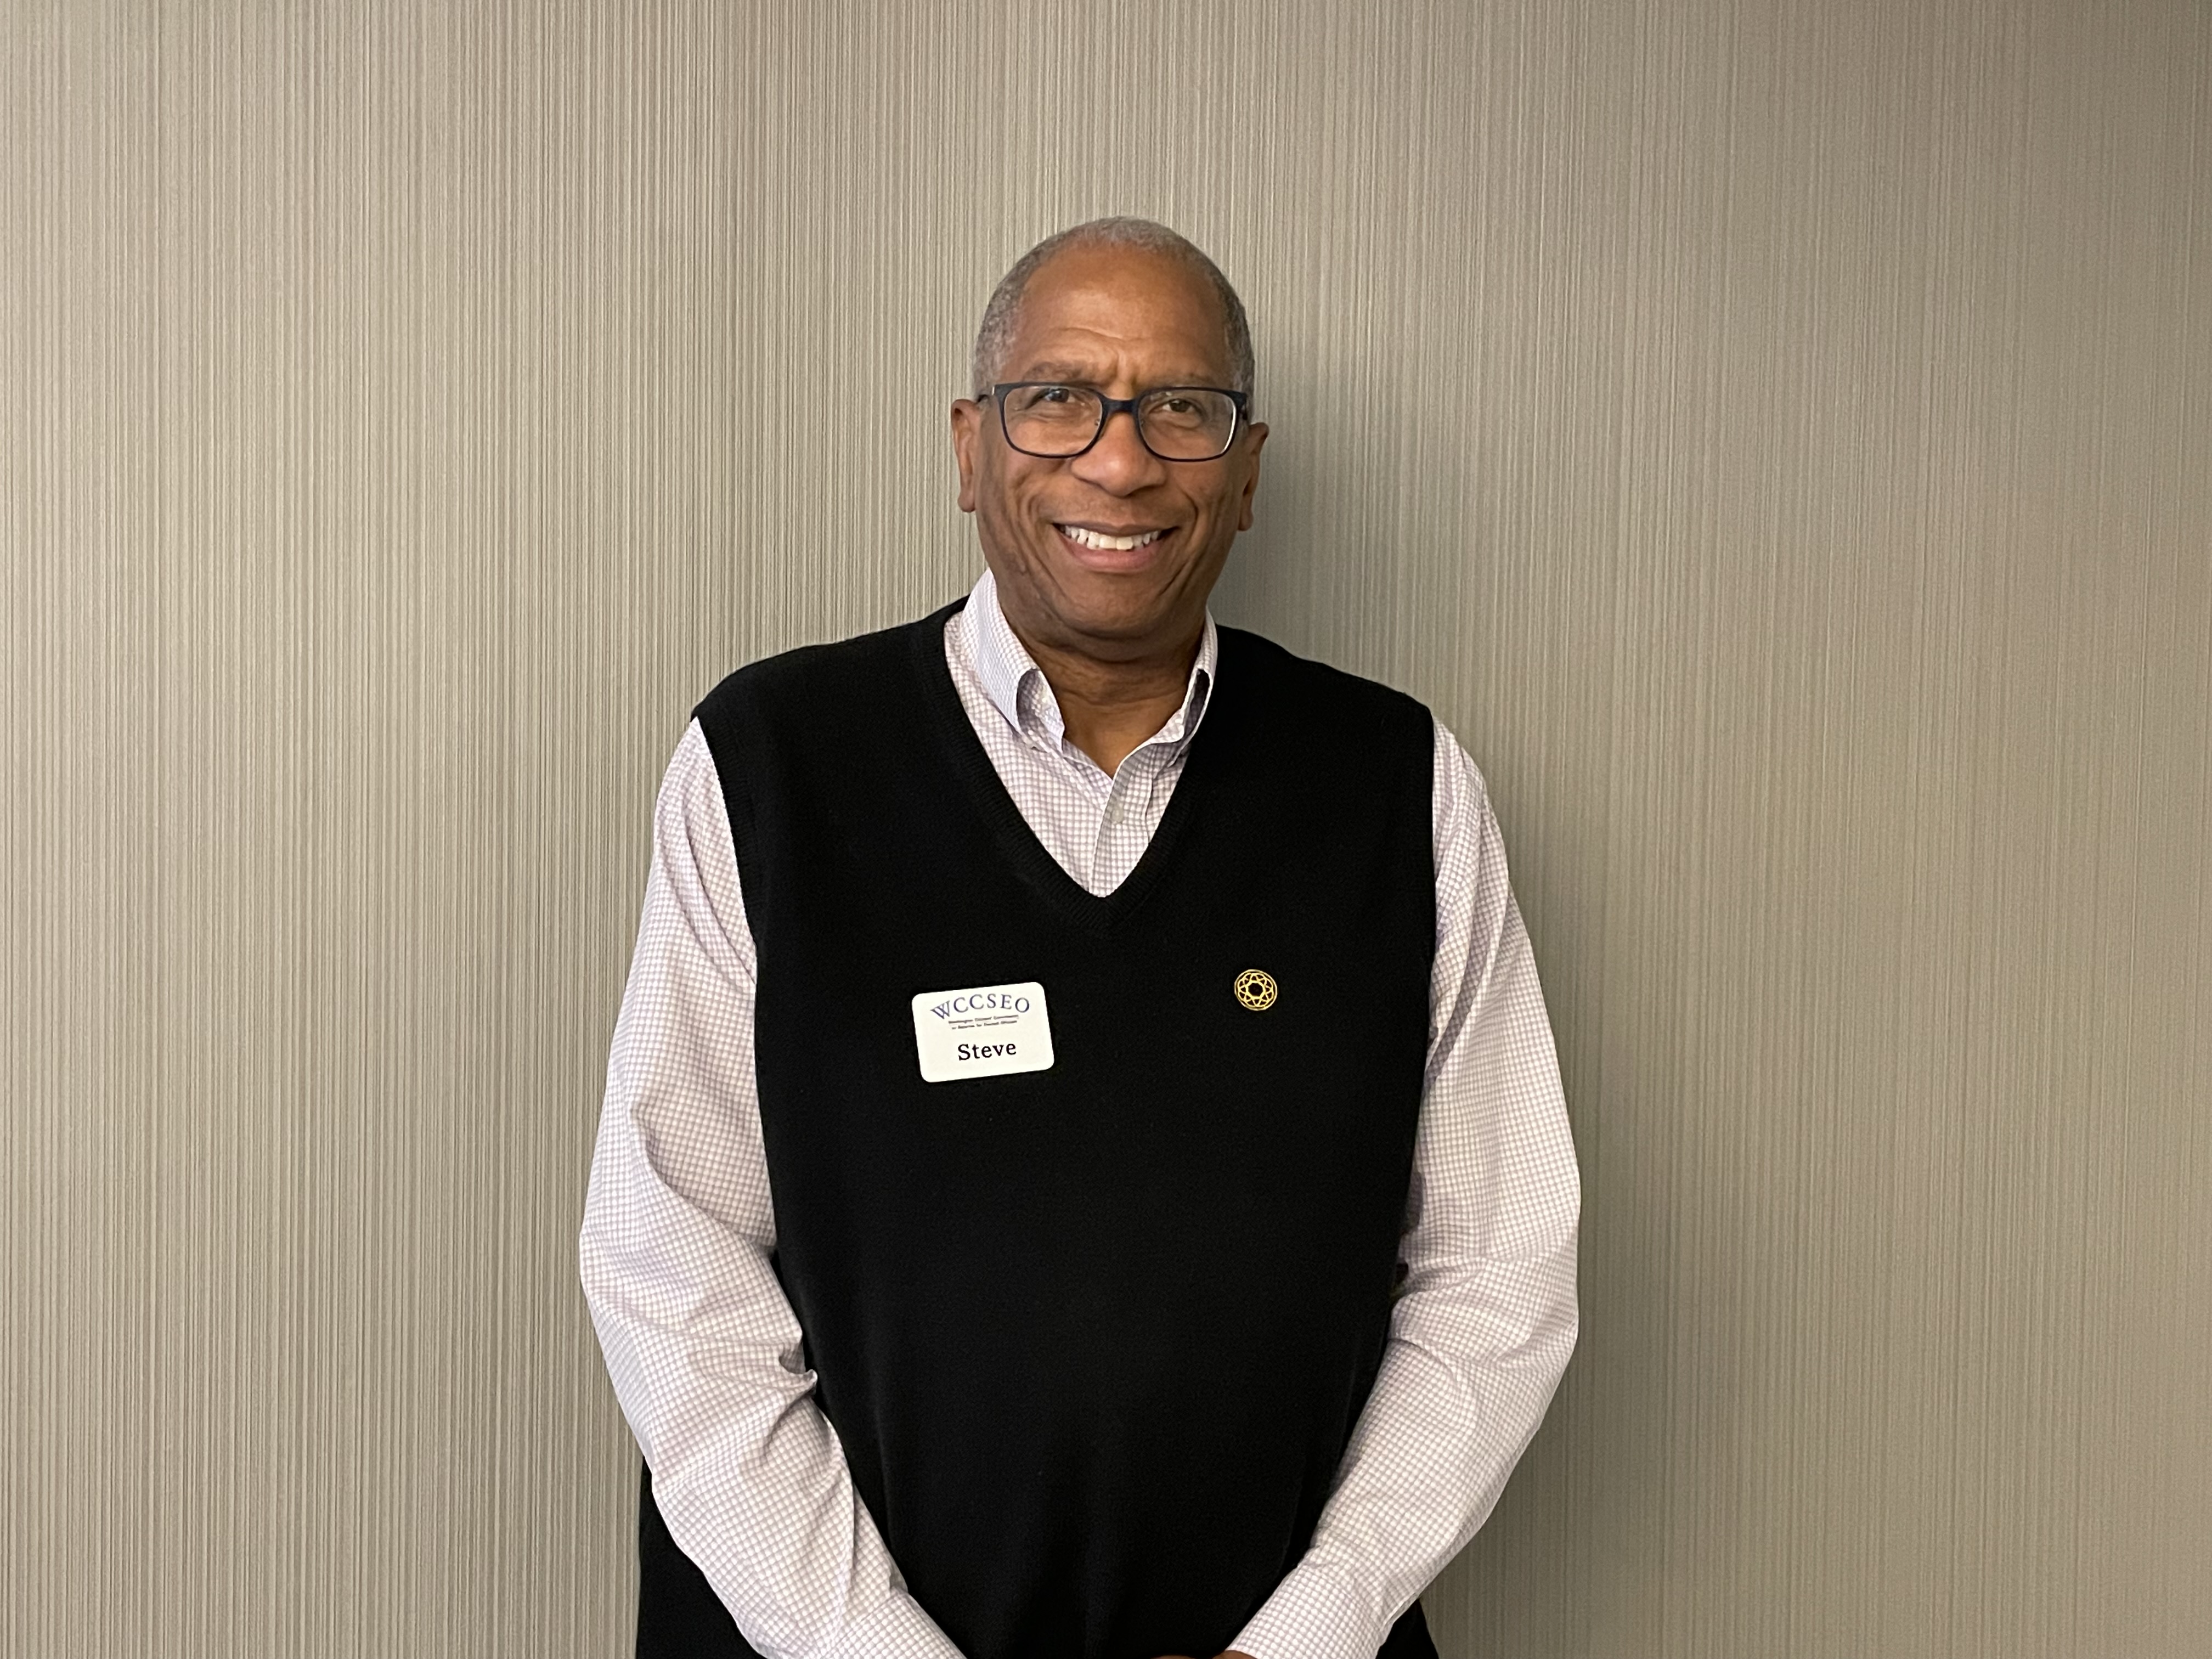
(1089, 303)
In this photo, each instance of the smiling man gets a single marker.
(1082, 1173)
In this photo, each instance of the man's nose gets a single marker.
(1119, 462)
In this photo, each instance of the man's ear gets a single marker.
(967, 436)
(1255, 434)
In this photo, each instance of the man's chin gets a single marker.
(1104, 618)
(1105, 604)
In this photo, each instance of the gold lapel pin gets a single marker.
(1255, 989)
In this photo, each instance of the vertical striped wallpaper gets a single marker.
(1777, 437)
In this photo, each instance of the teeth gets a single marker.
(1076, 532)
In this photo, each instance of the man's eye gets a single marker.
(1055, 394)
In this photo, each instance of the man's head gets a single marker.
(1122, 306)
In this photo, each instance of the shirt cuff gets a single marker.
(897, 1629)
(1314, 1613)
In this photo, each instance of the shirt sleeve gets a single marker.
(1486, 1316)
(702, 1347)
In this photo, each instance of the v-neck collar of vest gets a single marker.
(1093, 911)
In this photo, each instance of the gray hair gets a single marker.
(997, 333)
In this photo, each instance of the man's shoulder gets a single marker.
(1282, 677)
(817, 682)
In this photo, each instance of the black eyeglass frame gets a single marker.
(1109, 407)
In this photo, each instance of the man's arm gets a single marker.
(701, 1343)
(1488, 1317)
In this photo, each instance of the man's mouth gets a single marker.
(1100, 542)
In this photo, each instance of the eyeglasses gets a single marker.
(1053, 419)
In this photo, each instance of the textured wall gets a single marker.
(1776, 436)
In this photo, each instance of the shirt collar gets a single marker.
(1019, 691)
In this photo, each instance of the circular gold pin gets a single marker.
(1255, 989)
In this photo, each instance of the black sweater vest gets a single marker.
(1093, 1337)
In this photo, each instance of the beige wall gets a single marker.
(1775, 437)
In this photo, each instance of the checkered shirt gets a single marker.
(704, 1349)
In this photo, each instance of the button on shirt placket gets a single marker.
(1123, 836)
(1101, 824)
(1122, 802)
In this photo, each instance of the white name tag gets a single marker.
(987, 1032)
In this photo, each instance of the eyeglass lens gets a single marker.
(1177, 423)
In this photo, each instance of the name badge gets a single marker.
(987, 1032)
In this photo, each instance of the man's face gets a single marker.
(1123, 320)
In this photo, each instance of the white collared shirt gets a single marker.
(1096, 826)
(704, 1349)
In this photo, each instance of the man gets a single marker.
(1083, 1169)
